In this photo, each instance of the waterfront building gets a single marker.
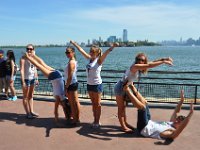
(88, 42)
(112, 39)
(125, 35)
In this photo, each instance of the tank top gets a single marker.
(129, 77)
(74, 75)
(9, 68)
(29, 70)
(153, 129)
(93, 70)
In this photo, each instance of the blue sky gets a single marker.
(58, 21)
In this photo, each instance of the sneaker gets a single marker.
(9, 98)
(34, 114)
(14, 98)
(96, 125)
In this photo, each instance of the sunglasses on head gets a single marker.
(29, 49)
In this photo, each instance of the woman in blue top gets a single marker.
(94, 81)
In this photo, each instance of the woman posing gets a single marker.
(10, 75)
(56, 79)
(29, 78)
(71, 85)
(141, 65)
(94, 81)
(166, 130)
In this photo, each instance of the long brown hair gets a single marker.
(138, 56)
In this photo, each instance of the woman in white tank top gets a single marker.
(29, 78)
(141, 65)
(56, 78)
(71, 85)
(94, 81)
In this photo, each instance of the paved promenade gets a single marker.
(19, 133)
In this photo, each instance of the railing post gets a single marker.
(195, 96)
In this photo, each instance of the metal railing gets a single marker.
(161, 91)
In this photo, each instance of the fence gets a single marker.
(160, 91)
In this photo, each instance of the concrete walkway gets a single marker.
(19, 133)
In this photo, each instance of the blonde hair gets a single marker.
(96, 49)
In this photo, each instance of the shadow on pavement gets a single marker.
(47, 123)
(105, 132)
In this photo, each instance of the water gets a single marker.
(185, 58)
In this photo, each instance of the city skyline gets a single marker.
(56, 22)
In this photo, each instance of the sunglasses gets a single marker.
(67, 52)
(31, 49)
(140, 59)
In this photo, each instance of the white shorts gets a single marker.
(58, 88)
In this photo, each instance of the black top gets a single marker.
(9, 68)
(3, 69)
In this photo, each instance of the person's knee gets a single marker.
(97, 105)
(30, 98)
(142, 107)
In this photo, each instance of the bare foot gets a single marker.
(130, 127)
(127, 130)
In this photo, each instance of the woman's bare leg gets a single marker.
(122, 114)
(39, 65)
(139, 103)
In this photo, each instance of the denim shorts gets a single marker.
(95, 88)
(29, 82)
(118, 89)
(143, 118)
(54, 75)
(73, 87)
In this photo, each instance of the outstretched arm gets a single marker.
(172, 134)
(153, 64)
(178, 107)
(162, 59)
(86, 55)
(103, 57)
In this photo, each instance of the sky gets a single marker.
(58, 21)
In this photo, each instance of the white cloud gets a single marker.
(163, 18)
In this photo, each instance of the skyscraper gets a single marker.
(125, 35)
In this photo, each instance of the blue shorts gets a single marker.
(95, 88)
(118, 89)
(55, 75)
(29, 82)
(73, 87)
(143, 118)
